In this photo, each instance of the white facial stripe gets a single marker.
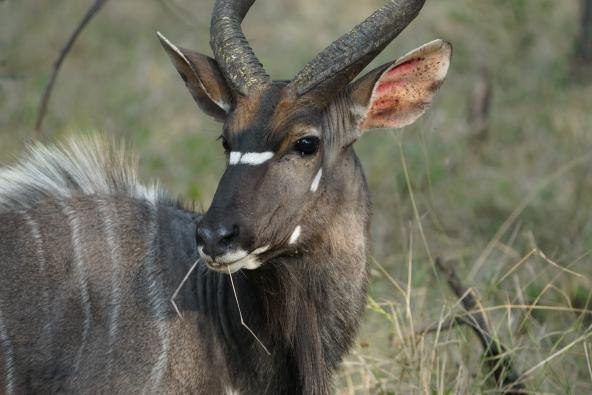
(249, 158)
(315, 183)
(234, 158)
(256, 158)
(295, 235)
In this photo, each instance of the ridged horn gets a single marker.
(231, 49)
(341, 61)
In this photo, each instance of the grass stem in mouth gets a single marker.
(241, 315)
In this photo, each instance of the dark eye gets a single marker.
(225, 144)
(307, 145)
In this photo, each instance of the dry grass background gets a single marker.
(513, 212)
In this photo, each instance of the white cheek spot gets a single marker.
(231, 391)
(256, 158)
(249, 262)
(295, 235)
(315, 183)
(234, 158)
(261, 250)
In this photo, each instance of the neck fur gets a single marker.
(304, 308)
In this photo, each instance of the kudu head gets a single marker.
(291, 165)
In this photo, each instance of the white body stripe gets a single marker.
(36, 235)
(315, 183)
(160, 304)
(8, 353)
(249, 158)
(106, 213)
(74, 222)
(295, 235)
(46, 334)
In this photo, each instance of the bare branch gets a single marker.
(90, 13)
(479, 108)
(495, 353)
(443, 325)
(585, 40)
(180, 14)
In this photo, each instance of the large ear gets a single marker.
(397, 93)
(203, 79)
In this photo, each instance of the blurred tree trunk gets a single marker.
(584, 51)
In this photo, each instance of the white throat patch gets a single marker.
(249, 158)
(235, 261)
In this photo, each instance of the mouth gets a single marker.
(235, 260)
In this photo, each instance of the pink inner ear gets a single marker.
(405, 90)
(392, 78)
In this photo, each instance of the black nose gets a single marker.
(218, 239)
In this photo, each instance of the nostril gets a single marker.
(218, 240)
(228, 236)
(203, 236)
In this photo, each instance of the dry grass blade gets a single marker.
(390, 278)
(558, 266)
(588, 364)
(580, 160)
(240, 314)
(496, 355)
(181, 286)
(90, 13)
(413, 203)
(557, 353)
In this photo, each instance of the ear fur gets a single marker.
(397, 93)
(203, 79)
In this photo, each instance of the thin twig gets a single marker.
(90, 13)
(240, 314)
(179, 13)
(495, 353)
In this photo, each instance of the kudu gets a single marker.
(90, 258)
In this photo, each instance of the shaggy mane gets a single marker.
(81, 166)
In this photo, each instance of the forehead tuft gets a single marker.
(270, 115)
